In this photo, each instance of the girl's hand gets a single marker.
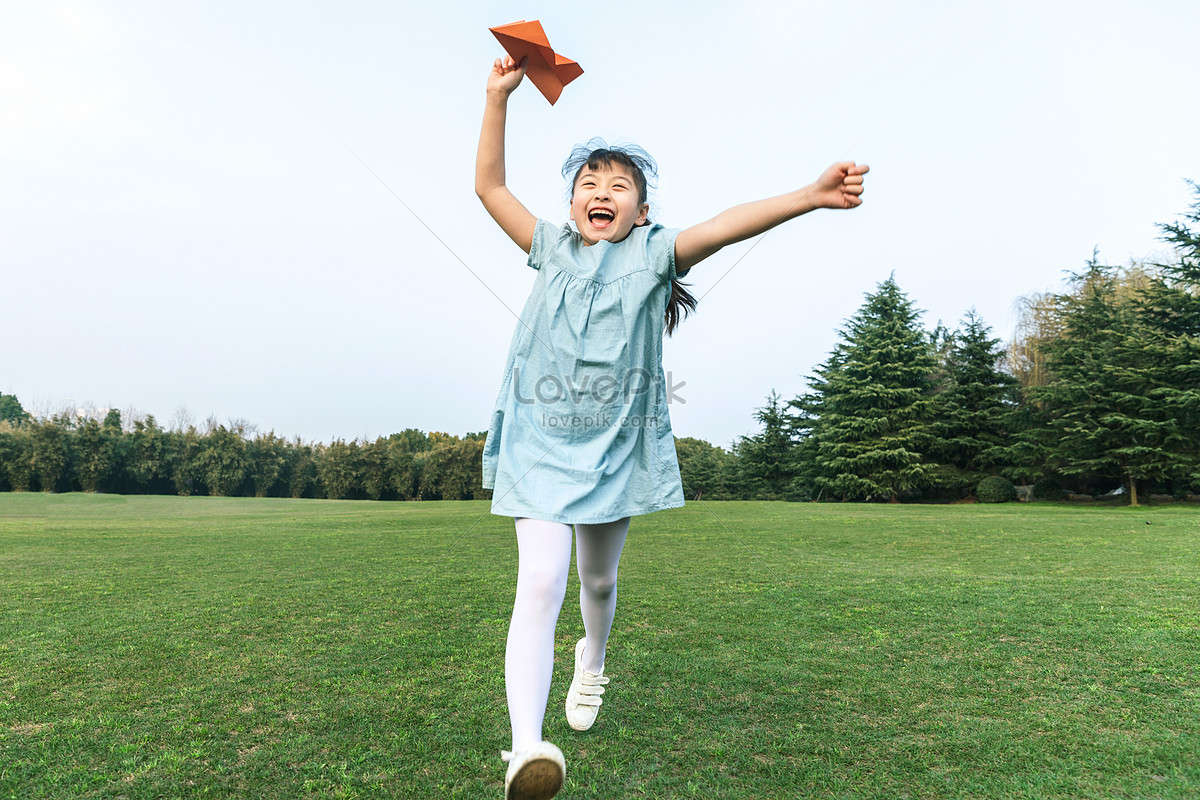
(840, 186)
(505, 76)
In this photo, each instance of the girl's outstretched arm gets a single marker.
(838, 187)
(506, 209)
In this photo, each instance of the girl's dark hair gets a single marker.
(598, 154)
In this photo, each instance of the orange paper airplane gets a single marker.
(549, 71)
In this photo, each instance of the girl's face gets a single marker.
(605, 204)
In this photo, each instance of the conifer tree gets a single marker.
(869, 412)
(1120, 398)
(1103, 413)
(767, 458)
(1168, 351)
(975, 406)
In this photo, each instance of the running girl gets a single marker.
(580, 439)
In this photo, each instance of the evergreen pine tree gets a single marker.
(1104, 410)
(1167, 352)
(869, 412)
(975, 406)
(767, 458)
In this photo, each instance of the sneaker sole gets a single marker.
(538, 779)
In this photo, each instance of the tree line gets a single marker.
(1098, 392)
(1099, 389)
(72, 453)
(104, 453)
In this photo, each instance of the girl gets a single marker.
(580, 434)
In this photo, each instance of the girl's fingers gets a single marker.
(850, 168)
(507, 65)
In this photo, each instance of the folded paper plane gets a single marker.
(549, 71)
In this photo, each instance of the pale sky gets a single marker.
(187, 223)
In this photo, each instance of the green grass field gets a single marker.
(201, 647)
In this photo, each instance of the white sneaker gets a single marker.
(534, 774)
(583, 698)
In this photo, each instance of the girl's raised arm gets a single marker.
(506, 209)
(838, 187)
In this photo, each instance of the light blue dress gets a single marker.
(580, 432)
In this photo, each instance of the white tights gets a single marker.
(544, 559)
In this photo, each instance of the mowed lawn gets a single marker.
(203, 647)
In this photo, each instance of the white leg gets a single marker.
(544, 559)
(597, 553)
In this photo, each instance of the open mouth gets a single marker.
(601, 217)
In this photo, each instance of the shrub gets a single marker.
(995, 490)
(1048, 489)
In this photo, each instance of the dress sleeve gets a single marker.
(545, 235)
(660, 251)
